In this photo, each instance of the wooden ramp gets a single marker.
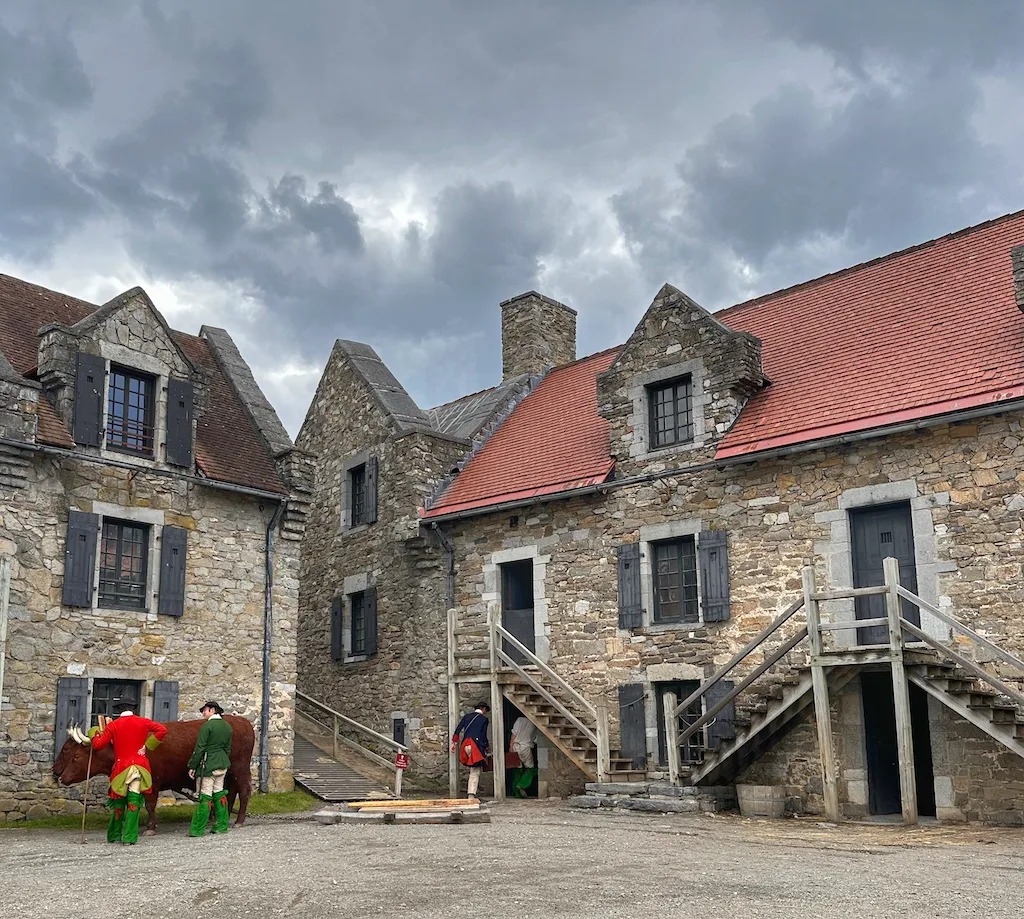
(329, 780)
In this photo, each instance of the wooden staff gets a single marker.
(85, 795)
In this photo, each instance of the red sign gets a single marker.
(402, 760)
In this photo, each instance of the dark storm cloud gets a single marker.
(41, 78)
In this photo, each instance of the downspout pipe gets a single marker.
(449, 552)
(268, 632)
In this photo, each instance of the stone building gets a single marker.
(642, 513)
(151, 514)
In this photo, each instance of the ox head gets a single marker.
(72, 763)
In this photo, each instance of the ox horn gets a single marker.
(75, 732)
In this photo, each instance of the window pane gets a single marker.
(123, 554)
(671, 412)
(130, 412)
(358, 623)
(357, 482)
(675, 580)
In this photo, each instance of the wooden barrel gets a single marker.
(761, 800)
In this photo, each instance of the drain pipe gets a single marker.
(268, 630)
(5, 599)
(449, 552)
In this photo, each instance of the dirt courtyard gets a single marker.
(532, 860)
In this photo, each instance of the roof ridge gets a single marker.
(860, 266)
(588, 357)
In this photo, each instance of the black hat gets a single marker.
(486, 705)
(212, 705)
(124, 704)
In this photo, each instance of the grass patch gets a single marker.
(289, 802)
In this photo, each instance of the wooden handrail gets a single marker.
(955, 623)
(387, 741)
(562, 709)
(974, 668)
(522, 649)
(769, 661)
(782, 619)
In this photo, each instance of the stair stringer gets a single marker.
(587, 768)
(984, 724)
(780, 713)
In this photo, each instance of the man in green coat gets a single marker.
(210, 761)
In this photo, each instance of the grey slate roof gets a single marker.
(386, 388)
(464, 417)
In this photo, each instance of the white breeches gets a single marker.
(213, 784)
(525, 752)
(474, 778)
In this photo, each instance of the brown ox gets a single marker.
(169, 764)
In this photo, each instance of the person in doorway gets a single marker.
(132, 736)
(523, 739)
(210, 761)
(470, 738)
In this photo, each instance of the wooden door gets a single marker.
(878, 533)
(517, 606)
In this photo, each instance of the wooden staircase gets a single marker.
(565, 735)
(913, 656)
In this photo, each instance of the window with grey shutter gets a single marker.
(714, 574)
(633, 724)
(337, 641)
(80, 558)
(371, 490)
(723, 727)
(72, 699)
(165, 700)
(370, 612)
(173, 550)
(179, 422)
(87, 424)
(631, 609)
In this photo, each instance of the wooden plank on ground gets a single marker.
(436, 803)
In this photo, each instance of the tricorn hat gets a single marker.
(213, 705)
(124, 704)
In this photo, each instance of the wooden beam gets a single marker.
(497, 712)
(453, 709)
(604, 764)
(847, 594)
(852, 658)
(901, 695)
(852, 624)
(822, 709)
(672, 736)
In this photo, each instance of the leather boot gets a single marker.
(201, 816)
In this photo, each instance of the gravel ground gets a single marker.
(535, 859)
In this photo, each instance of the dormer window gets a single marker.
(671, 412)
(131, 411)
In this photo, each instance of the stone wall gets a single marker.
(963, 482)
(407, 677)
(537, 333)
(213, 651)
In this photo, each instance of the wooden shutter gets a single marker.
(80, 558)
(72, 701)
(173, 549)
(631, 607)
(633, 724)
(371, 490)
(89, 381)
(165, 700)
(370, 612)
(337, 636)
(179, 422)
(724, 726)
(714, 573)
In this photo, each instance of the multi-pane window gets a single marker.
(671, 412)
(123, 556)
(130, 411)
(358, 606)
(357, 484)
(675, 580)
(107, 693)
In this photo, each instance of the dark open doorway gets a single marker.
(881, 750)
(512, 772)
(693, 751)
(879, 533)
(517, 606)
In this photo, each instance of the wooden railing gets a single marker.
(334, 723)
(596, 731)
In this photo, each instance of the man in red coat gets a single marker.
(132, 736)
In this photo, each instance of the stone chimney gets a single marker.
(537, 333)
(1017, 261)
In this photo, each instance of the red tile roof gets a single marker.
(228, 447)
(919, 333)
(553, 442)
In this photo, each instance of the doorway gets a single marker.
(881, 750)
(511, 713)
(693, 749)
(517, 606)
(107, 693)
(878, 533)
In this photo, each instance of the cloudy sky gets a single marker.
(389, 171)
